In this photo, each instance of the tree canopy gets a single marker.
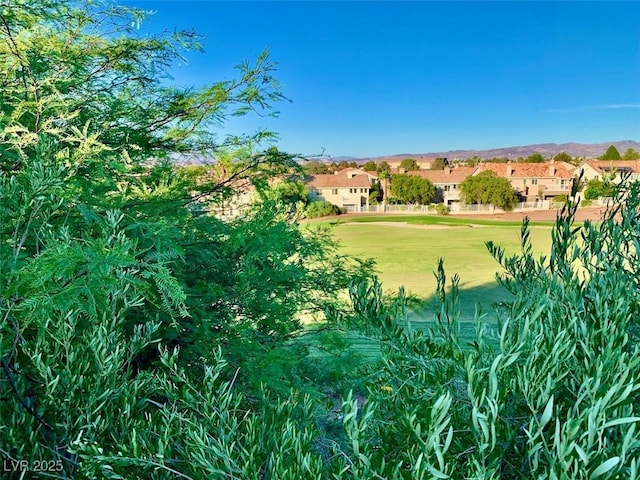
(611, 154)
(564, 157)
(370, 166)
(439, 164)
(535, 158)
(488, 189)
(631, 154)
(315, 167)
(412, 189)
(409, 164)
(384, 167)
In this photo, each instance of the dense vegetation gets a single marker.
(143, 337)
(487, 188)
(411, 189)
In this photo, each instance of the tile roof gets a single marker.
(529, 170)
(455, 175)
(605, 165)
(338, 181)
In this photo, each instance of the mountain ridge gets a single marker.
(575, 149)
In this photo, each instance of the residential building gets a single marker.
(446, 181)
(600, 169)
(348, 188)
(534, 181)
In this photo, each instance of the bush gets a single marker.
(561, 198)
(322, 208)
(442, 209)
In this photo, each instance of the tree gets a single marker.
(488, 189)
(370, 166)
(611, 154)
(315, 167)
(597, 188)
(384, 167)
(409, 164)
(412, 189)
(120, 290)
(631, 154)
(535, 158)
(439, 164)
(564, 157)
(375, 194)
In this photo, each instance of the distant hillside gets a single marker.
(546, 149)
(590, 150)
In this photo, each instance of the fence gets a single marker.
(453, 208)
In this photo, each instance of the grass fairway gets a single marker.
(407, 254)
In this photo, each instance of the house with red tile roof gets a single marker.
(348, 188)
(616, 168)
(447, 181)
(534, 181)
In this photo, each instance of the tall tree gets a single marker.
(488, 189)
(611, 154)
(564, 157)
(370, 166)
(384, 167)
(409, 164)
(439, 164)
(535, 158)
(315, 167)
(112, 260)
(631, 154)
(412, 189)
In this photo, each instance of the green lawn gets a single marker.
(406, 250)
(407, 254)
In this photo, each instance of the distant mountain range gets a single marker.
(590, 150)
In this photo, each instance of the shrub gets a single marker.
(442, 209)
(322, 208)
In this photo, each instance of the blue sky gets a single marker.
(381, 78)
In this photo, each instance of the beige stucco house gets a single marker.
(534, 181)
(446, 181)
(602, 168)
(348, 188)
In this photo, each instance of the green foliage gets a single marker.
(370, 166)
(412, 189)
(375, 194)
(322, 208)
(409, 164)
(631, 154)
(611, 154)
(442, 209)
(597, 188)
(316, 168)
(143, 337)
(535, 158)
(439, 164)
(384, 167)
(557, 399)
(564, 157)
(488, 189)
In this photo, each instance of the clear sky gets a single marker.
(380, 78)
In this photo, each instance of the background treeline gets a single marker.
(142, 337)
